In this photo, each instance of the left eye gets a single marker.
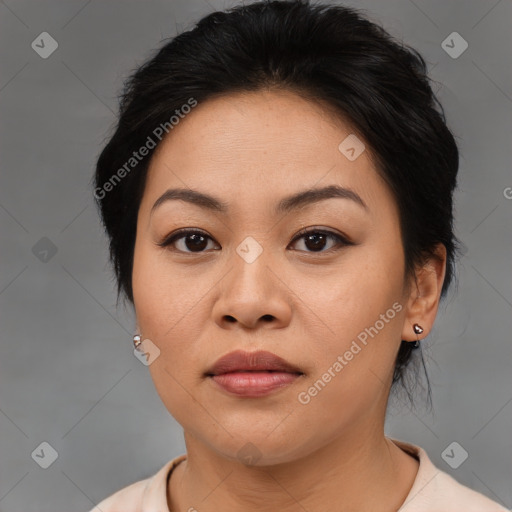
(193, 241)
(316, 240)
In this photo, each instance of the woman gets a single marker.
(278, 200)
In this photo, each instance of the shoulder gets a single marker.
(146, 494)
(436, 491)
(462, 498)
(128, 499)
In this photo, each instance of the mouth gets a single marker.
(252, 374)
(247, 362)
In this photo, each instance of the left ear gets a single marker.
(425, 295)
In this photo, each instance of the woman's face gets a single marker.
(333, 308)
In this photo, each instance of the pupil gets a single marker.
(316, 237)
(198, 242)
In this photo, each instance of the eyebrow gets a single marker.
(287, 204)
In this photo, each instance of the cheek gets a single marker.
(353, 294)
(171, 313)
(162, 297)
(354, 360)
(360, 315)
(165, 311)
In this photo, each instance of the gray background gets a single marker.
(67, 372)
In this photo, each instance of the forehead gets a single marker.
(248, 147)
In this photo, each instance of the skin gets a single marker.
(307, 306)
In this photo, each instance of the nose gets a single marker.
(251, 295)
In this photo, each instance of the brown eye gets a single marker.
(316, 240)
(187, 241)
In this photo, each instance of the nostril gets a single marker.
(267, 318)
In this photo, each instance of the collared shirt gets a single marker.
(433, 490)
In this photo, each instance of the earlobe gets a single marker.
(425, 295)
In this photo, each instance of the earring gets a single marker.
(137, 340)
(417, 330)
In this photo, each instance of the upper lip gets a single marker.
(247, 361)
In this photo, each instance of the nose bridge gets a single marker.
(250, 291)
(250, 272)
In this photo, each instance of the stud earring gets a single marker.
(137, 340)
(417, 330)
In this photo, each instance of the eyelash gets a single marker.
(181, 233)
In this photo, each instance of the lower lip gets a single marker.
(254, 384)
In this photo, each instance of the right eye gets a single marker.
(190, 241)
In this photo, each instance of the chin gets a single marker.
(254, 447)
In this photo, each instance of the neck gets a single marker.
(359, 472)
